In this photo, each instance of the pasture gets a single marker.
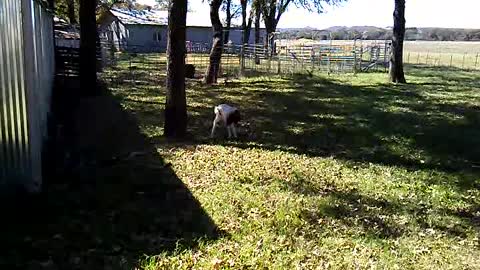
(329, 172)
(443, 53)
(335, 171)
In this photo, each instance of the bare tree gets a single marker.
(396, 60)
(272, 10)
(176, 101)
(217, 44)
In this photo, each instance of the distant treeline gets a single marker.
(377, 33)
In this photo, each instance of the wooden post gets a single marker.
(330, 57)
(361, 55)
(279, 63)
(355, 56)
(385, 56)
(476, 61)
(451, 60)
(301, 55)
(463, 61)
(269, 55)
(242, 60)
(255, 53)
(418, 58)
(408, 57)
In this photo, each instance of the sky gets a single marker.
(418, 13)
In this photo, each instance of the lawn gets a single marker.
(329, 172)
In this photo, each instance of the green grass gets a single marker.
(329, 172)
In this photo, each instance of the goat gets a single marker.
(228, 116)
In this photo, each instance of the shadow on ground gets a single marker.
(113, 201)
(431, 123)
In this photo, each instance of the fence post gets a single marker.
(301, 55)
(385, 56)
(355, 56)
(408, 57)
(330, 58)
(255, 53)
(476, 61)
(463, 61)
(270, 56)
(361, 55)
(279, 63)
(242, 60)
(451, 60)
(312, 57)
(418, 58)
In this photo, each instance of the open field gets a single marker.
(453, 47)
(433, 53)
(410, 46)
(335, 172)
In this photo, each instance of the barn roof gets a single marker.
(141, 17)
(156, 17)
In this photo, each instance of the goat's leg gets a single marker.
(234, 129)
(229, 132)
(213, 129)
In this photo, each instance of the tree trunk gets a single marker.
(396, 60)
(257, 25)
(226, 36)
(72, 18)
(257, 32)
(270, 27)
(88, 41)
(51, 4)
(217, 45)
(246, 25)
(243, 4)
(269, 38)
(176, 102)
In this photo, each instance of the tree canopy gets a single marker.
(273, 10)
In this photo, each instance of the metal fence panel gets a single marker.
(26, 82)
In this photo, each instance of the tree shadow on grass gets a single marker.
(384, 218)
(399, 125)
(375, 216)
(112, 202)
(428, 125)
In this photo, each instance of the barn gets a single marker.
(146, 30)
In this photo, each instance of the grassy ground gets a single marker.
(335, 172)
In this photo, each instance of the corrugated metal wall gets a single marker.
(26, 80)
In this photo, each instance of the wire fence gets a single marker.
(258, 59)
(469, 61)
(281, 59)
